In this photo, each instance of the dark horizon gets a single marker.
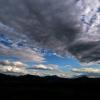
(30, 86)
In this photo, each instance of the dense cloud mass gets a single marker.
(49, 23)
(65, 26)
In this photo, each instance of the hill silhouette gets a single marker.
(30, 86)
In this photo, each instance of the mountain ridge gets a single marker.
(30, 86)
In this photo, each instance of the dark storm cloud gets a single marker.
(53, 24)
(86, 51)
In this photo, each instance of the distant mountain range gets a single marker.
(30, 86)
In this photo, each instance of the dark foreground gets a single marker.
(26, 87)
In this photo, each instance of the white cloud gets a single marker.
(89, 64)
(45, 67)
(86, 70)
(9, 63)
(49, 70)
(19, 68)
(13, 68)
(89, 72)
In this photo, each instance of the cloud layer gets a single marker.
(67, 27)
(63, 26)
(48, 24)
(18, 68)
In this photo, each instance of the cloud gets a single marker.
(17, 64)
(90, 72)
(49, 27)
(13, 68)
(24, 54)
(50, 67)
(89, 64)
(66, 27)
(86, 48)
(49, 70)
(18, 68)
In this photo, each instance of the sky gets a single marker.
(50, 37)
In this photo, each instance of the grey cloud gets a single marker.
(86, 51)
(48, 22)
(86, 48)
(54, 24)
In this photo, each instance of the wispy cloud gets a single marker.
(25, 54)
(45, 67)
(89, 72)
(89, 64)
(86, 70)
(49, 70)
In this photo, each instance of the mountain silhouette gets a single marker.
(29, 86)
